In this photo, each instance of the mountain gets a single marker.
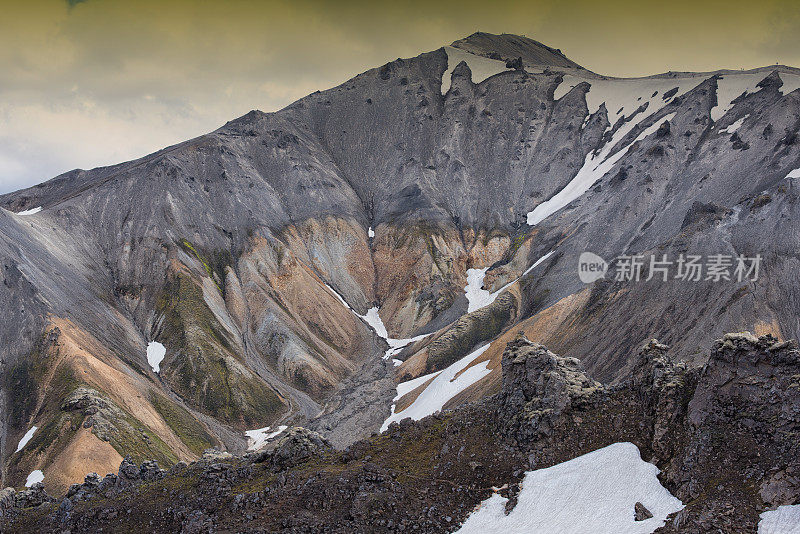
(560, 450)
(369, 251)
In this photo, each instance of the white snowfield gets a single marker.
(623, 97)
(444, 387)
(373, 319)
(732, 86)
(33, 478)
(31, 211)
(26, 438)
(155, 355)
(735, 126)
(794, 174)
(783, 520)
(259, 437)
(594, 167)
(791, 82)
(592, 494)
(477, 297)
(481, 67)
(370, 232)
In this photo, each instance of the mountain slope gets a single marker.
(254, 253)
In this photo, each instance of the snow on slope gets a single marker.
(26, 438)
(444, 387)
(479, 297)
(623, 96)
(794, 174)
(791, 82)
(481, 67)
(33, 478)
(155, 355)
(259, 437)
(592, 494)
(31, 211)
(735, 126)
(732, 86)
(783, 520)
(373, 319)
(594, 168)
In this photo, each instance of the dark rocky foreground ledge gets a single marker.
(726, 437)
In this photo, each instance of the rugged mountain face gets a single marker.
(279, 258)
(724, 435)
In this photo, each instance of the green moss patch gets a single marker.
(185, 426)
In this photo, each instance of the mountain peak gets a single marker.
(507, 46)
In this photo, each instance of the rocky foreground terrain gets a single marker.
(370, 254)
(725, 436)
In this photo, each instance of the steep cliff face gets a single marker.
(279, 258)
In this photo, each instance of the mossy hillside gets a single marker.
(470, 330)
(185, 426)
(214, 262)
(55, 427)
(186, 314)
(23, 382)
(202, 366)
(131, 438)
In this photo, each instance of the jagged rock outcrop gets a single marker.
(741, 453)
(539, 386)
(295, 446)
(724, 434)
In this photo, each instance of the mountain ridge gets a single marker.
(260, 255)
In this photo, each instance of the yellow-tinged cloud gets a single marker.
(153, 72)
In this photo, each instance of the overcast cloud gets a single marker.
(96, 82)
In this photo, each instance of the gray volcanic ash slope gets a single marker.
(279, 257)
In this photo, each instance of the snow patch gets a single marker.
(481, 67)
(593, 493)
(735, 126)
(783, 520)
(794, 174)
(26, 438)
(33, 478)
(594, 167)
(624, 96)
(155, 355)
(791, 82)
(535, 264)
(442, 388)
(373, 319)
(371, 232)
(568, 82)
(732, 86)
(31, 211)
(477, 297)
(259, 437)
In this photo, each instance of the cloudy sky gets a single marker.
(85, 83)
